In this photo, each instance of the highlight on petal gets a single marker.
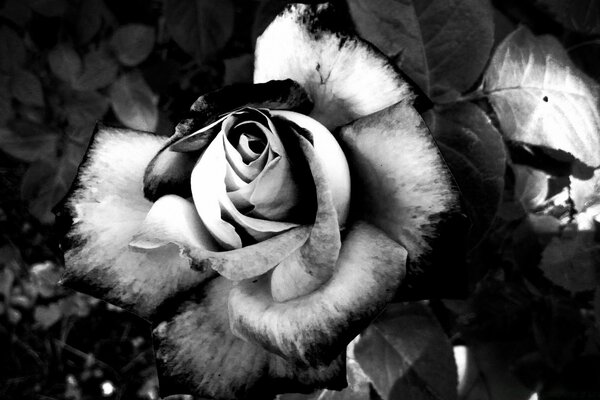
(304, 44)
(401, 182)
(315, 261)
(161, 177)
(107, 208)
(330, 154)
(313, 330)
(173, 219)
(197, 354)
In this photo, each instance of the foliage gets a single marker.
(515, 112)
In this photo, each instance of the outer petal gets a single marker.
(401, 181)
(198, 354)
(107, 208)
(345, 77)
(314, 329)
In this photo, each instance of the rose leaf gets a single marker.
(12, 50)
(84, 108)
(27, 88)
(581, 16)
(99, 70)
(65, 63)
(6, 111)
(88, 20)
(442, 46)
(239, 69)
(48, 179)
(406, 354)
(200, 27)
(474, 151)
(49, 8)
(27, 141)
(133, 43)
(570, 261)
(134, 103)
(541, 98)
(16, 11)
(531, 186)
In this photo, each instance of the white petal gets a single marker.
(345, 77)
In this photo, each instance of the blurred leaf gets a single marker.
(570, 261)
(474, 151)
(65, 63)
(28, 141)
(487, 374)
(6, 110)
(49, 8)
(46, 276)
(558, 330)
(134, 103)
(531, 186)
(541, 98)
(99, 70)
(47, 181)
(12, 50)
(200, 27)
(239, 69)
(406, 354)
(85, 108)
(441, 45)
(89, 19)
(17, 11)
(46, 316)
(27, 88)
(133, 43)
(581, 15)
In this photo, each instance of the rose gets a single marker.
(268, 310)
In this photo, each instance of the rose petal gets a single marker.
(285, 94)
(314, 329)
(345, 77)
(402, 183)
(197, 354)
(329, 153)
(107, 209)
(315, 261)
(173, 219)
(250, 261)
(213, 204)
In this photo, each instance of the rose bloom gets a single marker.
(274, 225)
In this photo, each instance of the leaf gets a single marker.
(570, 261)
(85, 108)
(134, 103)
(441, 45)
(200, 27)
(65, 63)
(531, 186)
(580, 16)
(46, 276)
(27, 88)
(49, 8)
(133, 43)
(474, 151)
(27, 141)
(541, 98)
(47, 181)
(47, 315)
(12, 50)
(239, 69)
(6, 110)
(99, 70)
(406, 354)
(17, 11)
(89, 19)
